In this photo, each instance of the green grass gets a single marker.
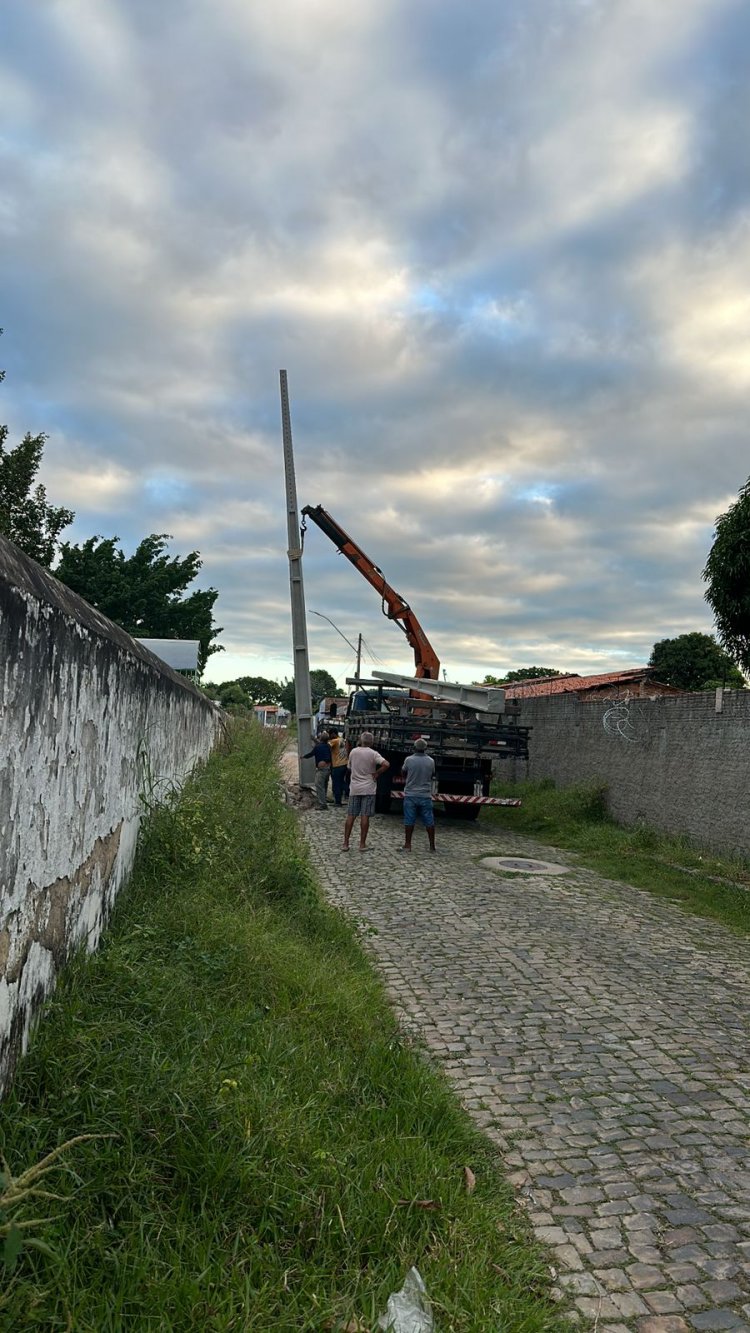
(576, 818)
(273, 1134)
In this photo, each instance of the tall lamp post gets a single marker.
(357, 650)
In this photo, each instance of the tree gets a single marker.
(144, 593)
(287, 696)
(694, 662)
(322, 684)
(230, 694)
(245, 691)
(25, 516)
(260, 690)
(531, 673)
(523, 673)
(727, 574)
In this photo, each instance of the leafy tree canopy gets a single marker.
(531, 673)
(694, 662)
(144, 593)
(260, 690)
(322, 684)
(287, 697)
(244, 692)
(230, 694)
(523, 673)
(727, 574)
(249, 690)
(25, 516)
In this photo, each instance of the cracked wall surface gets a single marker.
(89, 719)
(674, 763)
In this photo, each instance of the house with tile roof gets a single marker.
(637, 681)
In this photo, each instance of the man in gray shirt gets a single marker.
(419, 770)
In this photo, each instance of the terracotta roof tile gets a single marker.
(570, 683)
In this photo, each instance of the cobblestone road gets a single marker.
(600, 1036)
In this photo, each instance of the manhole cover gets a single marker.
(522, 865)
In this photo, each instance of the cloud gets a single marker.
(500, 249)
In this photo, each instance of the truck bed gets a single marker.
(446, 737)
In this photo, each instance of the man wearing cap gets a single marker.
(419, 770)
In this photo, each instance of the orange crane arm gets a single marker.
(394, 606)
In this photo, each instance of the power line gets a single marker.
(338, 631)
(371, 652)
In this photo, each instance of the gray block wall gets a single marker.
(673, 762)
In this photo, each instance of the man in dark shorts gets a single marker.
(365, 766)
(419, 770)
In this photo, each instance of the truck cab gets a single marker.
(331, 713)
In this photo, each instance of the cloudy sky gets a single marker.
(502, 248)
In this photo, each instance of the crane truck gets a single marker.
(466, 727)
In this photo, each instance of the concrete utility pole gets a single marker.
(297, 592)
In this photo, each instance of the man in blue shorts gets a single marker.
(419, 770)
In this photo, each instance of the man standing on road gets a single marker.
(365, 766)
(321, 753)
(338, 760)
(419, 770)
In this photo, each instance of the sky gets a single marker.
(502, 249)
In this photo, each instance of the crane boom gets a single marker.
(394, 606)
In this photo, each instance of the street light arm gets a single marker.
(338, 631)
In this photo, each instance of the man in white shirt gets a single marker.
(365, 766)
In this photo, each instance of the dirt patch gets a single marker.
(300, 797)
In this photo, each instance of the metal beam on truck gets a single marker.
(477, 697)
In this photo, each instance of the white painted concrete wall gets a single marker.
(87, 719)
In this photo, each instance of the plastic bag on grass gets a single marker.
(408, 1310)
